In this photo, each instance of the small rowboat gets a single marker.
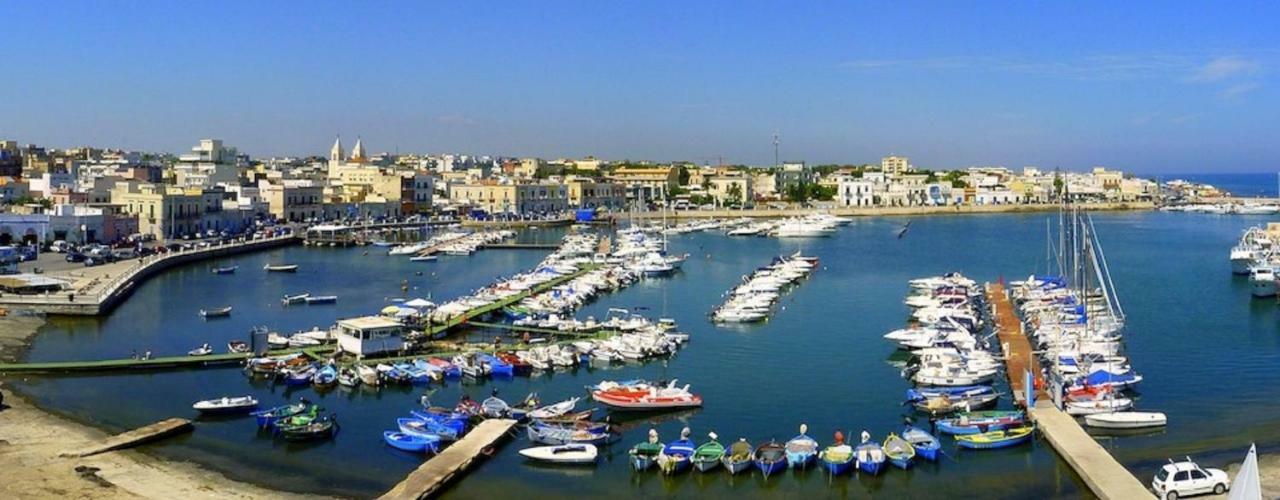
(426, 427)
(581, 432)
(802, 449)
(555, 410)
(562, 454)
(927, 446)
(995, 439)
(226, 405)
(644, 455)
(225, 270)
(837, 458)
(320, 428)
(870, 456)
(738, 457)
(980, 421)
(1126, 420)
(289, 300)
(676, 456)
(321, 299)
(417, 443)
(708, 455)
(280, 268)
(268, 418)
(901, 454)
(220, 312)
(770, 458)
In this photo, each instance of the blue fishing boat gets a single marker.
(870, 456)
(927, 446)
(770, 458)
(455, 421)
(418, 443)
(802, 449)
(426, 427)
(565, 433)
(923, 393)
(676, 456)
(225, 270)
(837, 459)
(267, 418)
(980, 421)
(325, 376)
(299, 377)
(497, 367)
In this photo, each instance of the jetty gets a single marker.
(1100, 471)
(128, 439)
(452, 462)
(170, 362)
(521, 246)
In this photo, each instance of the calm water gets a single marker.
(1207, 351)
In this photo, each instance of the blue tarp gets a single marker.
(585, 215)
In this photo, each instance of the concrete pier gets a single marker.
(128, 439)
(452, 462)
(1105, 476)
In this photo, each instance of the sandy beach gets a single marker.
(32, 442)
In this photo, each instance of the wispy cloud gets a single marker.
(1189, 68)
(456, 120)
(1238, 90)
(1226, 68)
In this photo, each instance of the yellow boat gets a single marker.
(996, 439)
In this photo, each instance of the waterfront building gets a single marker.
(793, 173)
(647, 184)
(46, 183)
(731, 188)
(370, 335)
(855, 192)
(293, 200)
(517, 199)
(588, 193)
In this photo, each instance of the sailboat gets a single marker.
(1247, 485)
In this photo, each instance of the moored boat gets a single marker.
(576, 453)
(869, 455)
(321, 299)
(770, 457)
(225, 270)
(289, 300)
(280, 268)
(837, 459)
(901, 453)
(268, 418)
(203, 350)
(980, 421)
(738, 457)
(319, 428)
(219, 312)
(1126, 420)
(927, 446)
(995, 439)
(237, 346)
(708, 455)
(645, 455)
(226, 405)
(418, 443)
(676, 456)
(802, 449)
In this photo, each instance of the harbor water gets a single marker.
(1206, 349)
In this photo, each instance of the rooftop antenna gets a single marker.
(776, 163)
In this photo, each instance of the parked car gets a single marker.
(1179, 479)
(74, 256)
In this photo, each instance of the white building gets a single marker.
(854, 192)
(209, 164)
(369, 335)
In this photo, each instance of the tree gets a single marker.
(1058, 184)
(734, 194)
(683, 176)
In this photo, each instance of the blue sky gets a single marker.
(1150, 87)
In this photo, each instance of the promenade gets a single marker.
(96, 290)
(770, 213)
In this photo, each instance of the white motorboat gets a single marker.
(424, 258)
(1126, 420)
(280, 268)
(1108, 405)
(203, 350)
(575, 453)
(226, 405)
(295, 299)
(1262, 281)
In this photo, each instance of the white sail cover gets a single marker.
(1247, 485)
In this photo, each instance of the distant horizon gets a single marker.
(1153, 87)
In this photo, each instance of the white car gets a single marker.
(1179, 479)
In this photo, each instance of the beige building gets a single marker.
(647, 183)
(895, 165)
(586, 193)
(731, 188)
(521, 199)
(293, 200)
(173, 212)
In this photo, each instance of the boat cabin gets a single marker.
(369, 335)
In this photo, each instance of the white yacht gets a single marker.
(1262, 281)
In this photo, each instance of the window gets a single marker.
(1181, 476)
(1195, 474)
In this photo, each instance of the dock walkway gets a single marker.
(454, 460)
(127, 439)
(1105, 476)
(171, 362)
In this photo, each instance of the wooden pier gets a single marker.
(128, 439)
(453, 461)
(1105, 476)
